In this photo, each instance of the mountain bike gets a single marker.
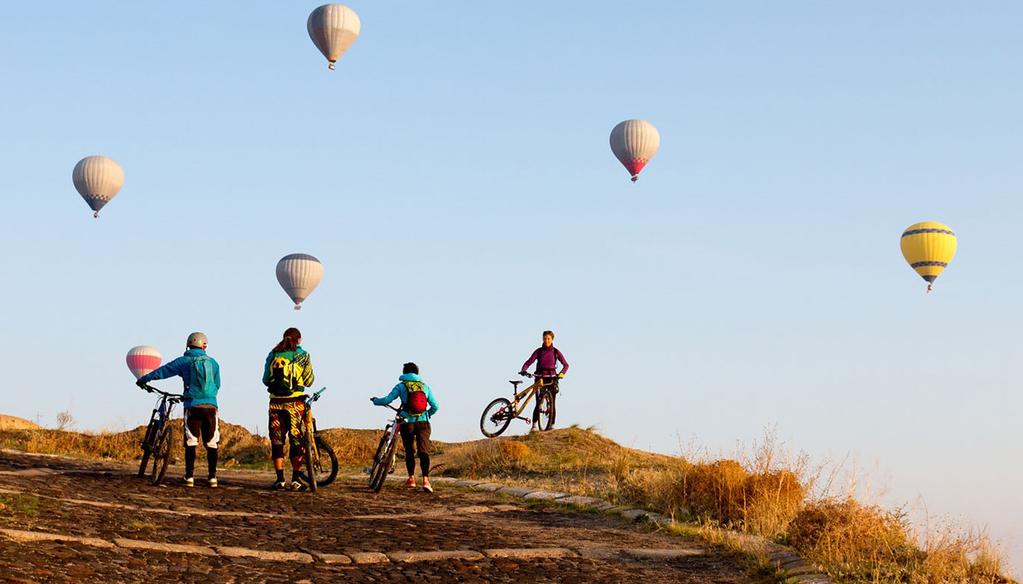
(320, 460)
(500, 412)
(383, 460)
(156, 444)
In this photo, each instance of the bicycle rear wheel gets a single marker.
(496, 417)
(161, 455)
(310, 461)
(547, 411)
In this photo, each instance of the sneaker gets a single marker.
(411, 482)
(295, 486)
(212, 483)
(189, 482)
(279, 486)
(426, 485)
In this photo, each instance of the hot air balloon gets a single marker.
(97, 179)
(634, 143)
(928, 247)
(333, 28)
(142, 360)
(299, 274)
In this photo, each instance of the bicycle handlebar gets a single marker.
(316, 395)
(152, 389)
(396, 410)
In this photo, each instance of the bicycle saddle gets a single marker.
(515, 383)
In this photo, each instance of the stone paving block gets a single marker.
(504, 508)
(515, 491)
(602, 506)
(155, 546)
(443, 480)
(434, 556)
(581, 501)
(658, 519)
(599, 553)
(634, 514)
(529, 553)
(32, 536)
(489, 487)
(663, 554)
(473, 509)
(545, 495)
(368, 557)
(332, 558)
(464, 483)
(240, 552)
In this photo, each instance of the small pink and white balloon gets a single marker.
(142, 360)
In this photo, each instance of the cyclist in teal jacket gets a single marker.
(417, 407)
(200, 375)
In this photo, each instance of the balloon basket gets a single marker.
(95, 215)
(330, 65)
(635, 178)
(298, 307)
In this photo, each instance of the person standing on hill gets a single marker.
(417, 407)
(287, 372)
(201, 376)
(547, 358)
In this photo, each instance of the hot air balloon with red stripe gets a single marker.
(634, 143)
(142, 360)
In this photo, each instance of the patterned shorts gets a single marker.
(286, 418)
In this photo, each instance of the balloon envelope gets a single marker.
(928, 248)
(333, 28)
(634, 143)
(142, 360)
(97, 179)
(299, 274)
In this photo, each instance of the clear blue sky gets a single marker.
(454, 177)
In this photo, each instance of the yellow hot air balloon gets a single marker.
(928, 247)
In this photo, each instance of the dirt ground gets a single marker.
(103, 501)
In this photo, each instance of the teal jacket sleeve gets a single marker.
(175, 368)
(266, 369)
(432, 401)
(216, 374)
(395, 394)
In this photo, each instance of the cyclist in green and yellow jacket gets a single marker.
(287, 373)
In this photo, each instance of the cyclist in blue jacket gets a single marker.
(417, 407)
(200, 374)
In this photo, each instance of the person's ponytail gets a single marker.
(289, 342)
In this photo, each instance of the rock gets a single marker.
(332, 558)
(663, 554)
(634, 514)
(489, 487)
(174, 548)
(473, 509)
(433, 556)
(240, 552)
(515, 491)
(368, 557)
(581, 501)
(529, 553)
(31, 536)
(545, 495)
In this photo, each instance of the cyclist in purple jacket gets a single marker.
(547, 358)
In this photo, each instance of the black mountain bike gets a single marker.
(320, 460)
(383, 460)
(156, 444)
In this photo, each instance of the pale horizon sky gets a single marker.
(454, 176)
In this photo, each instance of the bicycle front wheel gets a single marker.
(496, 417)
(310, 462)
(547, 411)
(382, 465)
(161, 455)
(326, 463)
(147, 447)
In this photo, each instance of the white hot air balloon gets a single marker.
(634, 143)
(97, 179)
(333, 28)
(299, 274)
(142, 360)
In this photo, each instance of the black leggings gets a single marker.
(415, 438)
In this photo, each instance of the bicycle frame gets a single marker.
(529, 393)
(310, 422)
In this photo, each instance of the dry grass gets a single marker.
(726, 500)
